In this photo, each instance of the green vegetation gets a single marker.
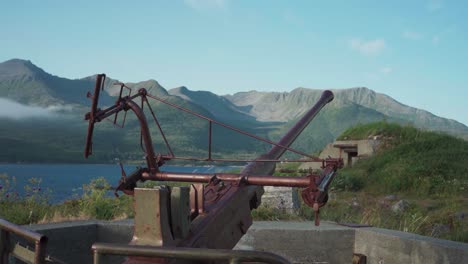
(410, 161)
(34, 206)
(426, 170)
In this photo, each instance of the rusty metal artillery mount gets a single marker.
(215, 215)
(200, 223)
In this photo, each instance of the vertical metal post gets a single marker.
(40, 250)
(97, 258)
(4, 246)
(209, 139)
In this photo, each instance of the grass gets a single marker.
(34, 206)
(426, 169)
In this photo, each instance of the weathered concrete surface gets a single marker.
(337, 149)
(302, 242)
(283, 198)
(383, 246)
(71, 242)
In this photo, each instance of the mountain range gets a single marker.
(58, 134)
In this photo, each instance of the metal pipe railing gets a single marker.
(40, 242)
(196, 254)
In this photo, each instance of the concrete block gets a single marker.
(382, 246)
(69, 242)
(301, 242)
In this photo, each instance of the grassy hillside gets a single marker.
(417, 182)
(424, 172)
(410, 161)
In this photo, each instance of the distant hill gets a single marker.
(219, 106)
(273, 106)
(40, 138)
(28, 84)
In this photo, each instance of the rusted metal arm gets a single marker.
(150, 156)
(276, 152)
(228, 217)
(125, 103)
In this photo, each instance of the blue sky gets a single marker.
(415, 51)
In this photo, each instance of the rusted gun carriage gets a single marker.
(217, 214)
(202, 222)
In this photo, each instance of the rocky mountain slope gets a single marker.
(283, 107)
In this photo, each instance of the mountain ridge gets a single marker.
(286, 106)
(266, 114)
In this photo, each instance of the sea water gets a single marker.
(65, 181)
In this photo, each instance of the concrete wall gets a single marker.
(283, 198)
(383, 246)
(365, 147)
(71, 242)
(300, 242)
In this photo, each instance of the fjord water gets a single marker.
(65, 181)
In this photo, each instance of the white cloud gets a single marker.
(386, 70)
(412, 35)
(207, 4)
(371, 47)
(435, 40)
(14, 110)
(434, 5)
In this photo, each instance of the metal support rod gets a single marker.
(285, 147)
(159, 127)
(200, 254)
(4, 246)
(263, 180)
(209, 139)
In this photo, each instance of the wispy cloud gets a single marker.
(369, 48)
(207, 4)
(14, 110)
(435, 40)
(386, 70)
(434, 5)
(413, 35)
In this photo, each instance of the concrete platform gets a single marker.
(300, 242)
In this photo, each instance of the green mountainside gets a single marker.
(59, 137)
